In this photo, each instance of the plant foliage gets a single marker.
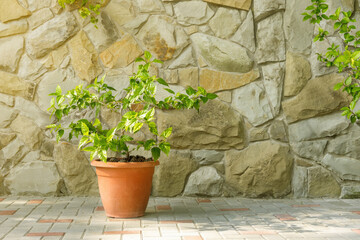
(346, 61)
(86, 8)
(141, 92)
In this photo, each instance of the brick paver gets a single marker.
(182, 218)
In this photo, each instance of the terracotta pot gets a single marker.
(124, 187)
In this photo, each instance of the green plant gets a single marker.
(142, 89)
(85, 8)
(346, 61)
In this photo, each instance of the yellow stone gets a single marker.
(240, 4)
(189, 77)
(121, 53)
(56, 57)
(12, 85)
(84, 57)
(214, 81)
(12, 10)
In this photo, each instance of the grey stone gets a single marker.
(300, 182)
(51, 35)
(13, 28)
(258, 133)
(40, 17)
(345, 167)
(264, 8)
(225, 22)
(309, 149)
(150, 5)
(5, 138)
(221, 54)
(298, 34)
(38, 4)
(12, 155)
(251, 101)
(245, 35)
(350, 191)
(262, 169)
(277, 131)
(134, 25)
(322, 183)
(185, 59)
(270, 39)
(28, 179)
(207, 157)
(346, 145)
(11, 49)
(273, 83)
(27, 131)
(30, 69)
(324, 126)
(7, 100)
(6, 116)
(120, 11)
(32, 111)
(204, 182)
(193, 12)
(170, 176)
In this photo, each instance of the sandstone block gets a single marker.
(346, 145)
(27, 131)
(13, 27)
(189, 77)
(245, 35)
(12, 85)
(11, 49)
(345, 167)
(193, 12)
(225, 22)
(322, 183)
(207, 157)
(120, 11)
(350, 191)
(12, 10)
(300, 182)
(5, 138)
(240, 4)
(277, 131)
(264, 8)
(309, 149)
(150, 5)
(186, 59)
(40, 17)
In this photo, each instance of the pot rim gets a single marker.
(99, 163)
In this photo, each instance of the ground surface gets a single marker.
(182, 219)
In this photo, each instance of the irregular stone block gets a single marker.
(245, 35)
(121, 53)
(221, 54)
(207, 157)
(51, 35)
(120, 11)
(193, 12)
(189, 77)
(217, 126)
(322, 183)
(169, 178)
(316, 98)
(225, 22)
(11, 155)
(84, 57)
(11, 49)
(164, 42)
(270, 39)
(273, 83)
(12, 10)
(262, 169)
(298, 73)
(30, 69)
(204, 182)
(40, 17)
(258, 134)
(38, 4)
(150, 6)
(345, 167)
(350, 191)
(5, 138)
(214, 81)
(309, 149)
(264, 8)
(277, 131)
(346, 145)
(28, 179)
(240, 4)
(13, 28)
(186, 59)
(6, 116)
(12, 85)
(251, 101)
(300, 182)
(27, 131)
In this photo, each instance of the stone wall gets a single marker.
(276, 130)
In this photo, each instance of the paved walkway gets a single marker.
(181, 219)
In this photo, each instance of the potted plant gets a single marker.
(124, 180)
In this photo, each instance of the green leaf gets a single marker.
(83, 141)
(103, 155)
(51, 126)
(126, 138)
(162, 82)
(169, 90)
(97, 122)
(59, 135)
(153, 128)
(202, 90)
(89, 149)
(137, 126)
(190, 91)
(348, 80)
(165, 147)
(155, 152)
(338, 86)
(147, 55)
(211, 95)
(93, 154)
(58, 114)
(167, 132)
(158, 61)
(84, 129)
(139, 59)
(58, 90)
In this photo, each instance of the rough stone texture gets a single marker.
(264, 8)
(309, 149)
(30, 69)
(186, 59)
(221, 54)
(5, 138)
(27, 131)
(162, 38)
(273, 82)
(11, 84)
(32, 111)
(322, 183)
(245, 35)
(38, 4)
(40, 17)
(345, 167)
(298, 73)
(207, 157)
(255, 175)
(11, 49)
(214, 81)
(204, 182)
(350, 191)
(7, 115)
(346, 145)
(28, 179)
(121, 53)
(251, 101)
(217, 126)
(300, 182)
(51, 35)
(258, 134)
(150, 5)
(169, 177)
(298, 34)
(56, 58)
(11, 155)
(319, 127)
(192, 12)
(84, 57)
(225, 22)
(277, 131)
(7, 100)
(12, 10)
(270, 39)
(189, 77)
(13, 27)
(316, 98)
(225, 96)
(74, 167)
(240, 4)
(120, 11)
